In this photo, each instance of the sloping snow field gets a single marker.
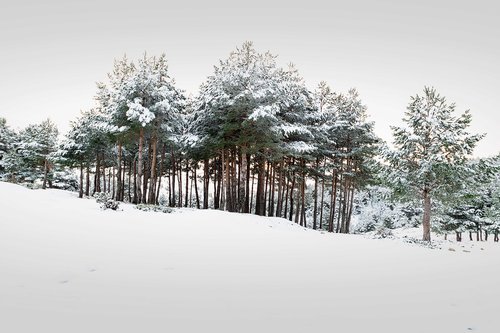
(67, 266)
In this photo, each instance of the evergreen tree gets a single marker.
(33, 154)
(7, 137)
(431, 152)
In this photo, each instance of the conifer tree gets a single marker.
(431, 151)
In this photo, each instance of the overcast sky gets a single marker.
(53, 52)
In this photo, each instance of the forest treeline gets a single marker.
(254, 139)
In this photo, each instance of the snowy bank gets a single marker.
(67, 266)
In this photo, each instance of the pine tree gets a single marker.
(431, 151)
(7, 137)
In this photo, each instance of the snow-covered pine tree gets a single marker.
(237, 108)
(7, 137)
(296, 142)
(431, 151)
(35, 150)
(142, 103)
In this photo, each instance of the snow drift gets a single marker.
(67, 266)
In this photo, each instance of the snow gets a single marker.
(67, 266)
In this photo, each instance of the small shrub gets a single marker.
(106, 201)
(383, 232)
(154, 208)
(110, 204)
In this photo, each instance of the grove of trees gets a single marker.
(254, 139)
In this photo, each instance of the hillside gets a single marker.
(67, 266)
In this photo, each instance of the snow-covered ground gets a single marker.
(67, 266)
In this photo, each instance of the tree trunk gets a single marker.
(129, 181)
(322, 201)
(134, 200)
(260, 203)
(248, 194)
(138, 181)
(80, 192)
(229, 197)
(186, 197)
(223, 183)
(292, 186)
(195, 179)
(267, 173)
(87, 182)
(280, 189)
(97, 176)
(315, 209)
(271, 189)
(251, 194)
(206, 183)
(45, 172)
(160, 172)
(303, 221)
(152, 186)
(119, 196)
(179, 179)
(427, 216)
(234, 184)
(172, 182)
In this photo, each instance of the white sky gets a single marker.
(53, 52)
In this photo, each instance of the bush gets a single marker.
(154, 208)
(106, 201)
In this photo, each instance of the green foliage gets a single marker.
(431, 152)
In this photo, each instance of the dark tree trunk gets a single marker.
(179, 179)
(172, 183)
(315, 209)
(45, 172)
(195, 179)
(248, 194)
(303, 221)
(333, 202)
(251, 194)
(129, 194)
(267, 173)
(186, 197)
(292, 187)
(223, 182)
(119, 196)
(427, 216)
(80, 192)
(139, 165)
(112, 177)
(322, 201)
(134, 200)
(260, 203)
(206, 183)
(279, 203)
(271, 189)
(87, 182)
(152, 186)
(217, 183)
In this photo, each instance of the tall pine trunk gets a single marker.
(138, 181)
(315, 209)
(152, 186)
(427, 216)
(45, 172)
(80, 192)
(206, 183)
(248, 193)
(119, 196)
(260, 203)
